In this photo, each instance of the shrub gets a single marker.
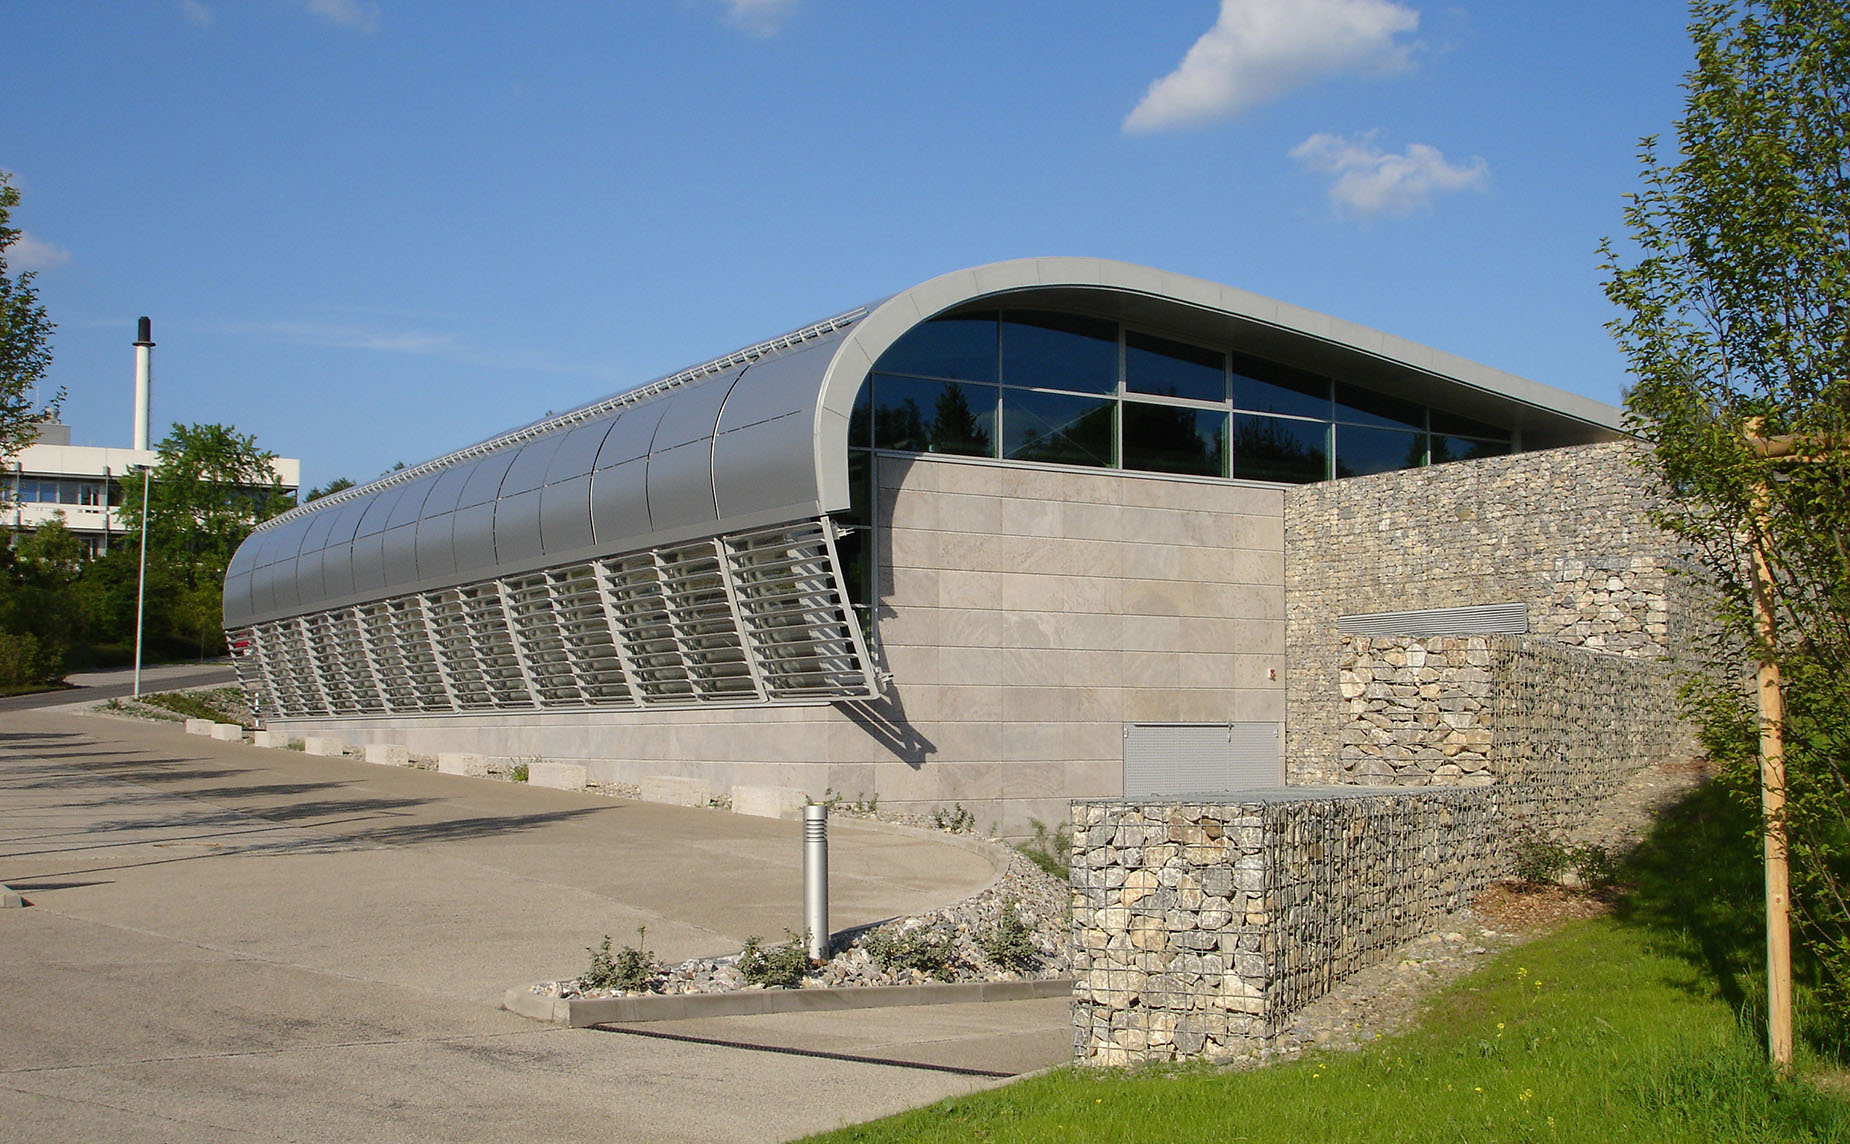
(1537, 859)
(923, 949)
(1594, 865)
(23, 663)
(957, 820)
(1010, 944)
(780, 967)
(1051, 852)
(632, 969)
(518, 774)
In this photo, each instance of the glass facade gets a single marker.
(63, 490)
(1071, 389)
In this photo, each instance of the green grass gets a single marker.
(1640, 1028)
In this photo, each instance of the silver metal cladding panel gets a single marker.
(693, 413)
(1200, 758)
(447, 490)
(630, 438)
(565, 515)
(517, 529)
(681, 489)
(577, 454)
(620, 502)
(401, 554)
(484, 483)
(369, 563)
(764, 450)
(436, 545)
(766, 465)
(474, 532)
(379, 512)
(528, 472)
(1477, 619)
(337, 570)
(410, 506)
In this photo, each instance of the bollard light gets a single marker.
(816, 880)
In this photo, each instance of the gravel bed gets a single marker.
(1039, 899)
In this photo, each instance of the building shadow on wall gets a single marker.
(884, 720)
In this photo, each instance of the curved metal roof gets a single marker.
(760, 437)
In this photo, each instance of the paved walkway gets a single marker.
(229, 943)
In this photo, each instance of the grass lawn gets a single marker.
(1640, 1027)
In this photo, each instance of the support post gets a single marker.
(1773, 801)
(816, 880)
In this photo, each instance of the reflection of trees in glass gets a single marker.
(899, 426)
(955, 428)
(1464, 449)
(1264, 450)
(1416, 452)
(1085, 440)
(1168, 439)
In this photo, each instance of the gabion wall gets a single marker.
(1199, 928)
(1568, 725)
(1565, 531)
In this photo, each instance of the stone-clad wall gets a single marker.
(1565, 531)
(1199, 928)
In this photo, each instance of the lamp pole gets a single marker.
(141, 581)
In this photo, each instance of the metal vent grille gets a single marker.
(1479, 620)
(755, 618)
(1200, 758)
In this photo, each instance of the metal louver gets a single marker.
(755, 618)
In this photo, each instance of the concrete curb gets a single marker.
(582, 1012)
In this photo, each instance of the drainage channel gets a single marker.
(819, 1054)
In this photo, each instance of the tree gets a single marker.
(327, 490)
(213, 486)
(25, 344)
(1736, 306)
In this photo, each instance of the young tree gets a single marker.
(25, 344)
(1736, 306)
(212, 487)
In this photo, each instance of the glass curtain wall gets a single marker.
(1070, 389)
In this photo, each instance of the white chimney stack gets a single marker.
(144, 380)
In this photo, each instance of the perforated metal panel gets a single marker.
(1479, 620)
(1200, 758)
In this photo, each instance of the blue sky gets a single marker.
(376, 230)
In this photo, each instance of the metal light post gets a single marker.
(141, 581)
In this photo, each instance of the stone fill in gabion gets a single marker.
(1200, 927)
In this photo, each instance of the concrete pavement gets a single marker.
(239, 944)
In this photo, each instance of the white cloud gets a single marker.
(1260, 49)
(759, 17)
(1370, 182)
(196, 13)
(360, 15)
(28, 253)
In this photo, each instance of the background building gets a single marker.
(84, 482)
